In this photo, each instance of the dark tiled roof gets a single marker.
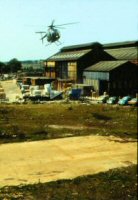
(105, 46)
(105, 66)
(128, 53)
(81, 46)
(120, 44)
(69, 55)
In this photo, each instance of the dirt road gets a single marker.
(11, 89)
(23, 163)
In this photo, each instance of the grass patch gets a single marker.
(116, 184)
(30, 122)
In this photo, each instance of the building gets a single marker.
(108, 67)
(28, 80)
(123, 50)
(114, 77)
(67, 66)
(118, 77)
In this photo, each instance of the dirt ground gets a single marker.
(44, 161)
(11, 89)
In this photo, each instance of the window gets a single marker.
(72, 70)
(50, 72)
(50, 64)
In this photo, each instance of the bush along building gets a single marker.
(110, 68)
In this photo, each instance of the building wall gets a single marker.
(50, 69)
(66, 70)
(134, 61)
(120, 81)
(96, 56)
(96, 75)
(124, 80)
(96, 79)
(91, 82)
(72, 70)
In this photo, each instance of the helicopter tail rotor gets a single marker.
(42, 36)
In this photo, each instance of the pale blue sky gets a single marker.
(103, 21)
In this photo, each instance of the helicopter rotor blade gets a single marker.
(52, 24)
(59, 27)
(40, 32)
(66, 24)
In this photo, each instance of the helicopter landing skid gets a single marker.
(58, 43)
(47, 44)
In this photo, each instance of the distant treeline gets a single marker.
(10, 67)
(15, 65)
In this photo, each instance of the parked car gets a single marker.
(124, 100)
(102, 99)
(133, 101)
(112, 100)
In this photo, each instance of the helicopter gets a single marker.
(52, 35)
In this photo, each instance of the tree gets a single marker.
(2, 67)
(14, 65)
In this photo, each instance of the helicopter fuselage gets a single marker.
(53, 35)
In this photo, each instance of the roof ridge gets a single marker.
(105, 66)
(114, 49)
